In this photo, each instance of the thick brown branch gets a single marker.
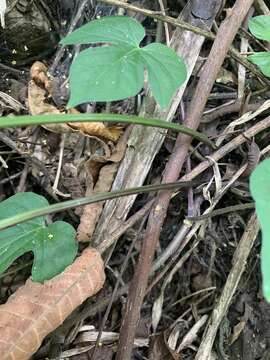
(225, 36)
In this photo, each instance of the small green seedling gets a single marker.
(115, 69)
(54, 246)
(260, 190)
(259, 26)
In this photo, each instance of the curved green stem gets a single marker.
(28, 215)
(129, 119)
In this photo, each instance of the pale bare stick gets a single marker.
(239, 263)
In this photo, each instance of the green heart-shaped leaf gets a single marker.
(260, 190)
(54, 246)
(166, 71)
(259, 26)
(105, 74)
(116, 71)
(262, 60)
(118, 30)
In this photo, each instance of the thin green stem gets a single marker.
(129, 119)
(28, 215)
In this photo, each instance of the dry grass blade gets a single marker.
(239, 263)
(36, 309)
(242, 120)
(192, 334)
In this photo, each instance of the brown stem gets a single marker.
(159, 17)
(224, 38)
(228, 109)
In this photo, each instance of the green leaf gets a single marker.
(259, 26)
(262, 60)
(105, 74)
(54, 246)
(116, 71)
(118, 30)
(166, 71)
(260, 190)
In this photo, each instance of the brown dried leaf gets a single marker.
(100, 150)
(35, 310)
(38, 73)
(92, 212)
(36, 101)
(39, 86)
(96, 128)
(38, 106)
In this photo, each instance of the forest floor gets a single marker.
(203, 298)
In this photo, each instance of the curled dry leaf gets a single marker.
(97, 129)
(92, 212)
(40, 86)
(38, 74)
(38, 106)
(89, 170)
(104, 181)
(36, 101)
(35, 310)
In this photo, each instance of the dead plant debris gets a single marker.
(201, 297)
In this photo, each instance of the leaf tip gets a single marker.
(266, 291)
